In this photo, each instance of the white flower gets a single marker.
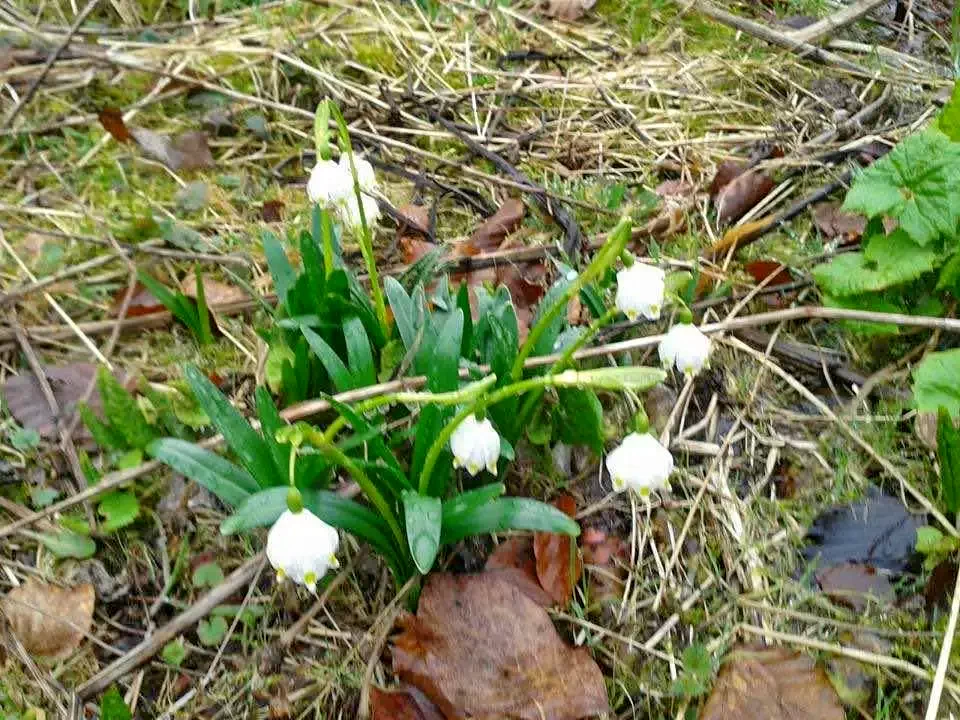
(365, 174)
(640, 463)
(328, 184)
(350, 210)
(686, 347)
(640, 291)
(475, 445)
(302, 548)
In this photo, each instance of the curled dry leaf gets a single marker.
(492, 232)
(726, 172)
(412, 229)
(741, 194)
(188, 151)
(559, 565)
(853, 584)
(49, 621)
(479, 648)
(757, 683)
(215, 292)
(674, 189)
(567, 9)
(406, 703)
(763, 269)
(514, 561)
(142, 302)
(835, 223)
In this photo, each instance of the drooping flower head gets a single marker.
(302, 548)
(685, 347)
(640, 291)
(328, 185)
(475, 445)
(640, 463)
(331, 185)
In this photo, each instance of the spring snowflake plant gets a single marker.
(403, 448)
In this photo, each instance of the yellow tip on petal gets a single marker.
(473, 468)
(281, 575)
(310, 580)
(492, 468)
(334, 563)
(618, 484)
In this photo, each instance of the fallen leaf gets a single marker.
(113, 122)
(741, 235)
(216, 293)
(559, 565)
(877, 531)
(492, 232)
(413, 219)
(834, 222)
(479, 648)
(142, 302)
(69, 383)
(741, 194)
(763, 269)
(188, 151)
(272, 211)
(852, 584)
(674, 188)
(49, 621)
(406, 703)
(726, 172)
(757, 683)
(568, 9)
(940, 585)
(605, 557)
(513, 560)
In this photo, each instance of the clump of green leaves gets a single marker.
(697, 673)
(193, 313)
(906, 269)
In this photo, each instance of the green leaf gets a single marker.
(916, 183)
(465, 503)
(855, 273)
(207, 575)
(949, 120)
(948, 452)
(104, 435)
(579, 418)
(463, 302)
(243, 440)
(232, 484)
(377, 449)
(279, 265)
(935, 382)
(68, 544)
(112, 706)
(211, 632)
(202, 332)
(423, 519)
(929, 540)
(41, 497)
(511, 513)
(545, 343)
(121, 410)
(949, 279)
(174, 653)
(338, 372)
(873, 303)
(404, 313)
(24, 439)
(359, 355)
(120, 508)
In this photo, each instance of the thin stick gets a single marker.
(933, 707)
(832, 23)
(35, 85)
(149, 647)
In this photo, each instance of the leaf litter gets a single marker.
(50, 621)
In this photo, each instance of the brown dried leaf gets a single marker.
(763, 269)
(559, 566)
(406, 703)
(413, 219)
(28, 405)
(480, 648)
(492, 232)
(771, 684)
(188, 151)
(113, 122)
(143, 302)
(852, 584)
(49, 621)
(272, 211)
(740, 235)
(515, 562)
(834, 222)
(940, 585)
(567, 9)
(674, 189)
(741, 194)
(215, 292)
(726, 172)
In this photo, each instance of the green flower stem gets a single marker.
(530, 402)
(326, 225)
(604, 258)
(317, 439)
(456, 397)
(366, 239)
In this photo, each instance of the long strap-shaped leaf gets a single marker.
(228, 482)
(506, 514)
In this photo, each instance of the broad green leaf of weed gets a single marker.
(24, 439)
(854, 274)
(68, 544)
(211, 632)
(935, 382)
(120, 508)
(209, 575)
(918, 182)
(872, 303)
(948, 452)
(121, 411)
(949, 120)
(174, 653)
(112, 706)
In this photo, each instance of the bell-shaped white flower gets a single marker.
(640, 291)
(301, 547)
(475, 445)
(685, 347)
(365, 173)
(639, 463)
(350, 210)
(328, 184)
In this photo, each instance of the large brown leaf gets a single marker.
(49, 621)
(741, 194)
(559, 565)
(406, 703)
(492, 232)
(514, 561)
(481, 649)
(757, 683)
